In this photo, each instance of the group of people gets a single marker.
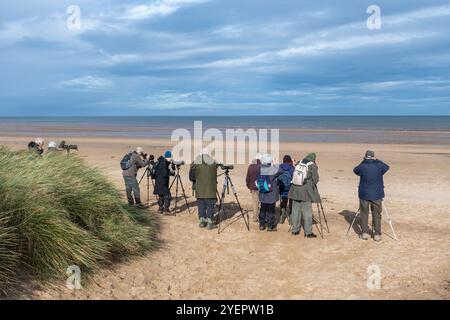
(293, 184)
(38, 146)
(160, 171)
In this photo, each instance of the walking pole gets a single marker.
(320, 221)
(389, 221)
(354, 219)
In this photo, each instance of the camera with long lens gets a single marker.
(226, 167)
(67, 147)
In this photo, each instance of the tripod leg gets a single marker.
(389, 221)
(317, 227)
(245, 216)
(176, 193)
(320, 220)
(148, 191)
(351, 225)
(142, 178)
(221, 210)
(324, 217)
(184, 195)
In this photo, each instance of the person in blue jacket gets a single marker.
(285, 179)
(371, 193)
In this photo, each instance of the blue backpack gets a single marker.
(264, 184)
(285, 180)
(125, 163)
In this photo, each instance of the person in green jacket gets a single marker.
(304, 193)
(203, 174)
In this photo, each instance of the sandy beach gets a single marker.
(240, 264)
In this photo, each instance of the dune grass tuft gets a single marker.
(56, 211)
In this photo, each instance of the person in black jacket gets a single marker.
(371, 193)
(163, 169)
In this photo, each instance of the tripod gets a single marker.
(177, 180)
(321, 213)
(147, 173)
(387, 215)
(226, 189)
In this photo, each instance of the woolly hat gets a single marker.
(168, 154)
(311, 157)
(369, 154)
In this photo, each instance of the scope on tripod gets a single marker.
(67, 147)
(178, 163)
(226, 167)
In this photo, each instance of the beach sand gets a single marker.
(193, 263)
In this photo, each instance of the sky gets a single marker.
(222, 57)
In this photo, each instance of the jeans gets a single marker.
(132, 189)
(376, 208)
(206, 208)
(302, 210)
(267, 214)
(255, 204)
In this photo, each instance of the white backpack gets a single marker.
(301, 173)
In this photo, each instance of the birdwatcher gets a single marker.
(304, 193)
(253, 172)
(269, 193)
(52, 146)
(37, 145)
(203, 174)
(371, 193)
(130, 164)
(285, 180)
(162, 171)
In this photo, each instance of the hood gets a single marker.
(204, 159)
(286, 166)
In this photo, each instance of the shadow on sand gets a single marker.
(349, 216)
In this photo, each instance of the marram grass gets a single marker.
(56, 211)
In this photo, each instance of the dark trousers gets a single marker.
(286, 203)
(376, 207)
(132, 189)
(206, 208)
(164, 202)
(267, 214)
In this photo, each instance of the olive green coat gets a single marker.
(203, 173)
(308, 192)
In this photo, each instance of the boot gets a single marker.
(311, 235)
(211, 224)
(139, 204)
(160, 205)
(202, 223)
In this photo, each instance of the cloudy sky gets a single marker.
(209, 57)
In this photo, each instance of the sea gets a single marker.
(350, 129)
